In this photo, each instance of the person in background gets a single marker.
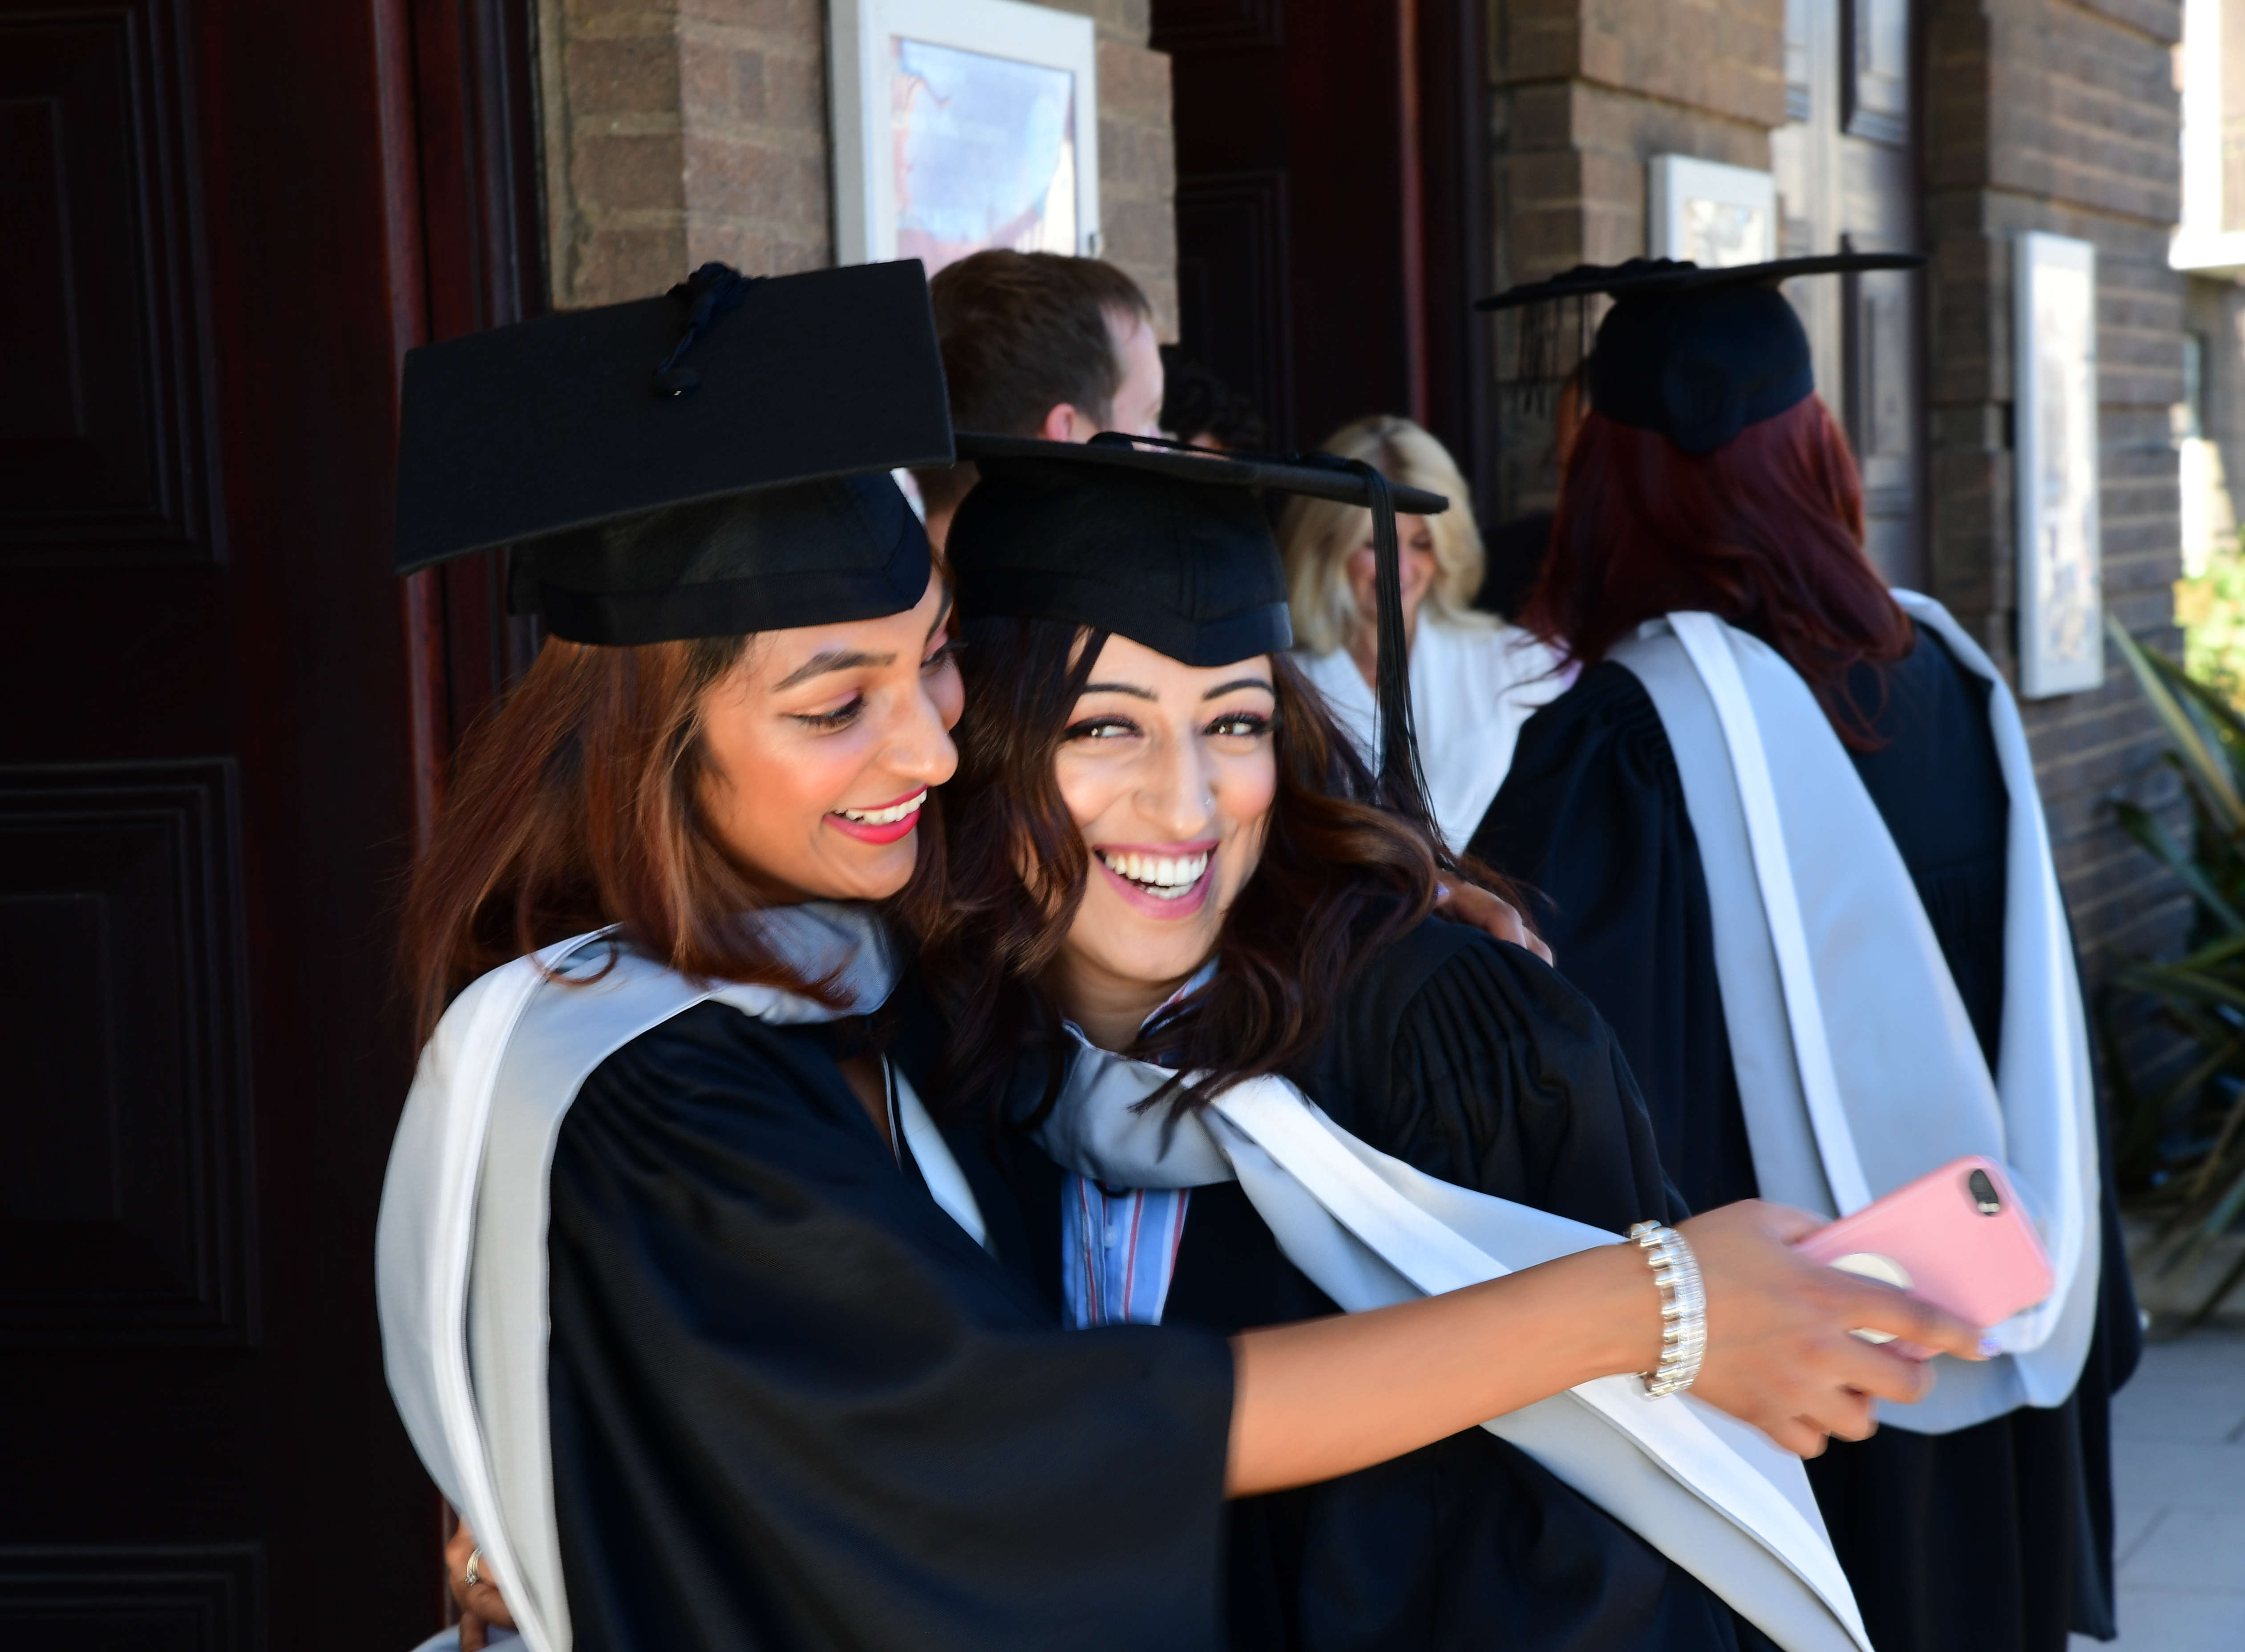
(1707, 575)
(1200, 408)
(1039, 344)
(1474, 679)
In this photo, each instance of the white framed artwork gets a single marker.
(959, 125)
(2054, 445)
(1717, 216)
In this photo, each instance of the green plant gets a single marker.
(2210, 607)
(2191, 1137)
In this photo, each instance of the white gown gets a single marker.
(1472, 687)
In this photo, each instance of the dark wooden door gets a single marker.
(216, 241)
(1332, 215)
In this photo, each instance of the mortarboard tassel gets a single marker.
(1402, 781)
(712, 291)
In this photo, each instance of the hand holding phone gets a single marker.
(1956, 1237)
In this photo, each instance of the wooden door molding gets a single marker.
(107, 427)
(1234, 276)
(198, 1599)
(125, 1217)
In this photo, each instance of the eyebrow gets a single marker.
(832, 660)
(941, 615)
(1241, 683)
(1219, 690)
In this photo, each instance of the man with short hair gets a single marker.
(1040, 345)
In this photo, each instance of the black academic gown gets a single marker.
(1993, 1539)
(1471, 1061)
(795, 1406)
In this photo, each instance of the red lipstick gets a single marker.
(880, 831)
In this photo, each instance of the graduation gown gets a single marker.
(1471, 1061)
(1995, 1536)
(793, 1403)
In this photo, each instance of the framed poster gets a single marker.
(1716, 215)
(2054, 423)
(960, 124)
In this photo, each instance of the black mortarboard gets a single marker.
(1170, 547)
(704, 464)
(1695, 354)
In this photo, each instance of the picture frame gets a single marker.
(959, 125)
(2061, 639)
(1716, 215)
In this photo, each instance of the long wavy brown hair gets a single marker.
(1339, 879)
(1766, 531)
(574, 804)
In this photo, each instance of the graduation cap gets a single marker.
(1695, 354)
(707, 463)
(1167, 545)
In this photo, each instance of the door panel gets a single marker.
(124, 1215)
(217, 248)
(104, 413)
(1331, 211)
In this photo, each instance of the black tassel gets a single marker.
(1402, 781)
(712, 290)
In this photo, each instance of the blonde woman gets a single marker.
(1474, 679)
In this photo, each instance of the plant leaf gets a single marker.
(2152, 834)
(2204, 765)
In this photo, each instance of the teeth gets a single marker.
(1169, 877)
(889, 816)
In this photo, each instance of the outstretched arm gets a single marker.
(1327, 1397)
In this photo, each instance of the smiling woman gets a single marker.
(1174, 881)
(714, 775)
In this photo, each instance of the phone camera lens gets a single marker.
(1983, 1193)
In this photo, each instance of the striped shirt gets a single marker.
(1119, 1245)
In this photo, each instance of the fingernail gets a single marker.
(1989, 1348)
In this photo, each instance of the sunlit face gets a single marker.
(1138, 398)
(824, 740)
(1168, 770)
(1416, 541)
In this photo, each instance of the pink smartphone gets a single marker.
(1956, 1237)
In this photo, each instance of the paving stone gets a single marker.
(2165, 1619)
(2178, 1483)
(2192, 1549)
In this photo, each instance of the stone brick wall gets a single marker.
(1586, 92)
(2063, 117)
(678, 131)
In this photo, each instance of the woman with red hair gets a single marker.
(1786, 837)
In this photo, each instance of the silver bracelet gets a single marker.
(1683, 1308)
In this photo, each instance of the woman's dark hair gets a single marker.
(1765, 532)
(573, 805)
(1340, 878)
